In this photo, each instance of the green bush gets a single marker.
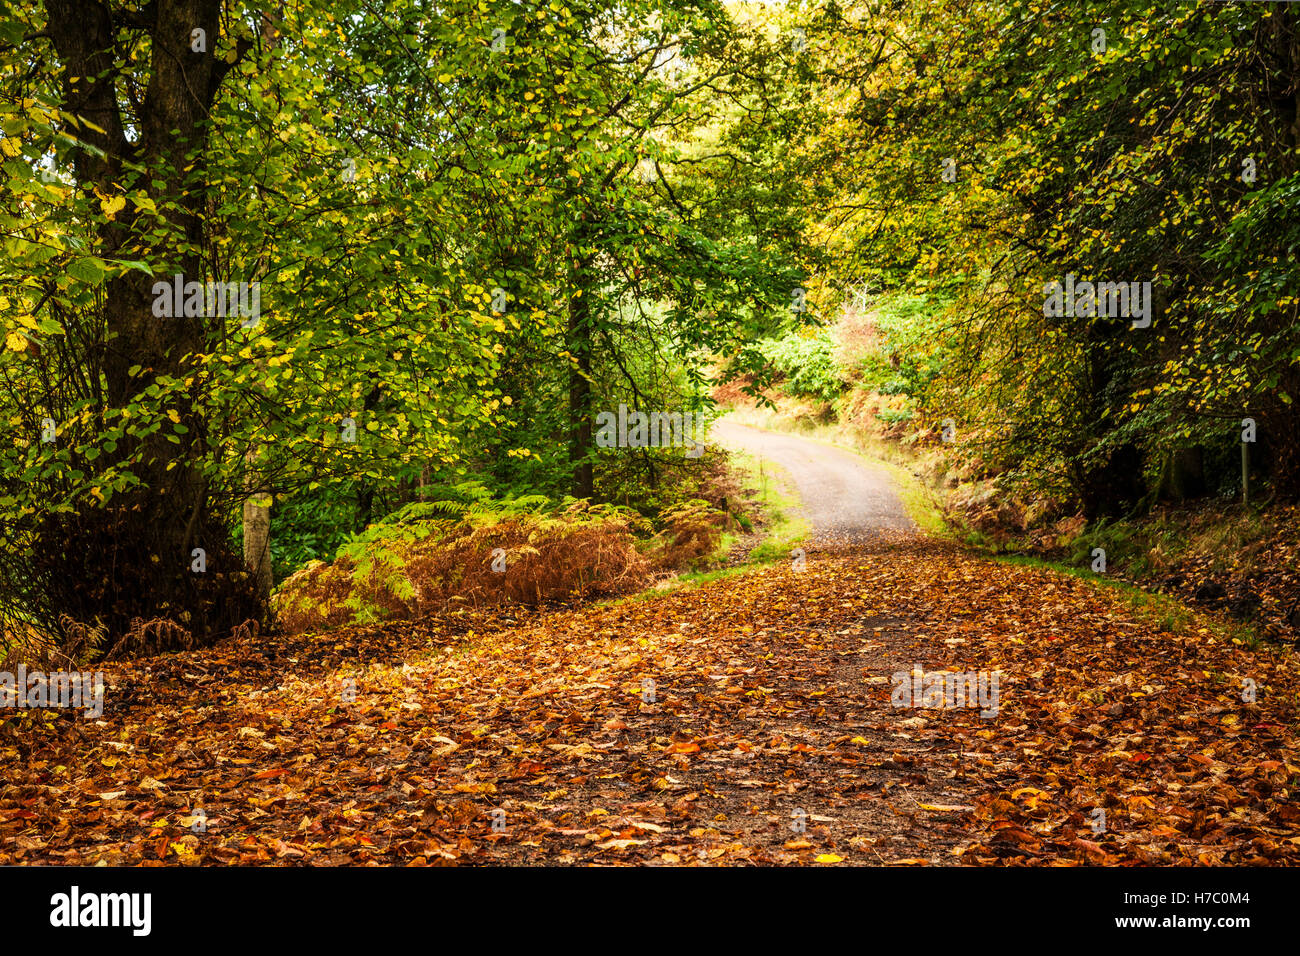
(805, 363)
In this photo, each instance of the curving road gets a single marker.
(845, 499)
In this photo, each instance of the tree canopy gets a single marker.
(327, 255)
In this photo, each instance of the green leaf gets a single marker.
(87, 269)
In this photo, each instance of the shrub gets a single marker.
(693, 530)
(807, 364)
(430, 554)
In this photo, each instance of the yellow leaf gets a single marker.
(15, 342)
(829, 858)
(1015, 794)
(112, 206)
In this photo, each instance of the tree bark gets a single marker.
(150, 532)
(579, 340)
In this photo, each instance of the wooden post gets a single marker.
(1245, 473)
(257, 530)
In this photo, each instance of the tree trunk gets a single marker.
(1183, 475)
(366, 491)
(579, 347)
(142, 546)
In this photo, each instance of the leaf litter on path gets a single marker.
(743, 722)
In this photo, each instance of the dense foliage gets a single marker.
(985, 150)
(459, 232)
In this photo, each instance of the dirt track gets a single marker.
(845, 499)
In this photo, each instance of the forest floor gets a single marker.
(749, 720)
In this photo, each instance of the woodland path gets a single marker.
(844, 498)
(748, 720)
